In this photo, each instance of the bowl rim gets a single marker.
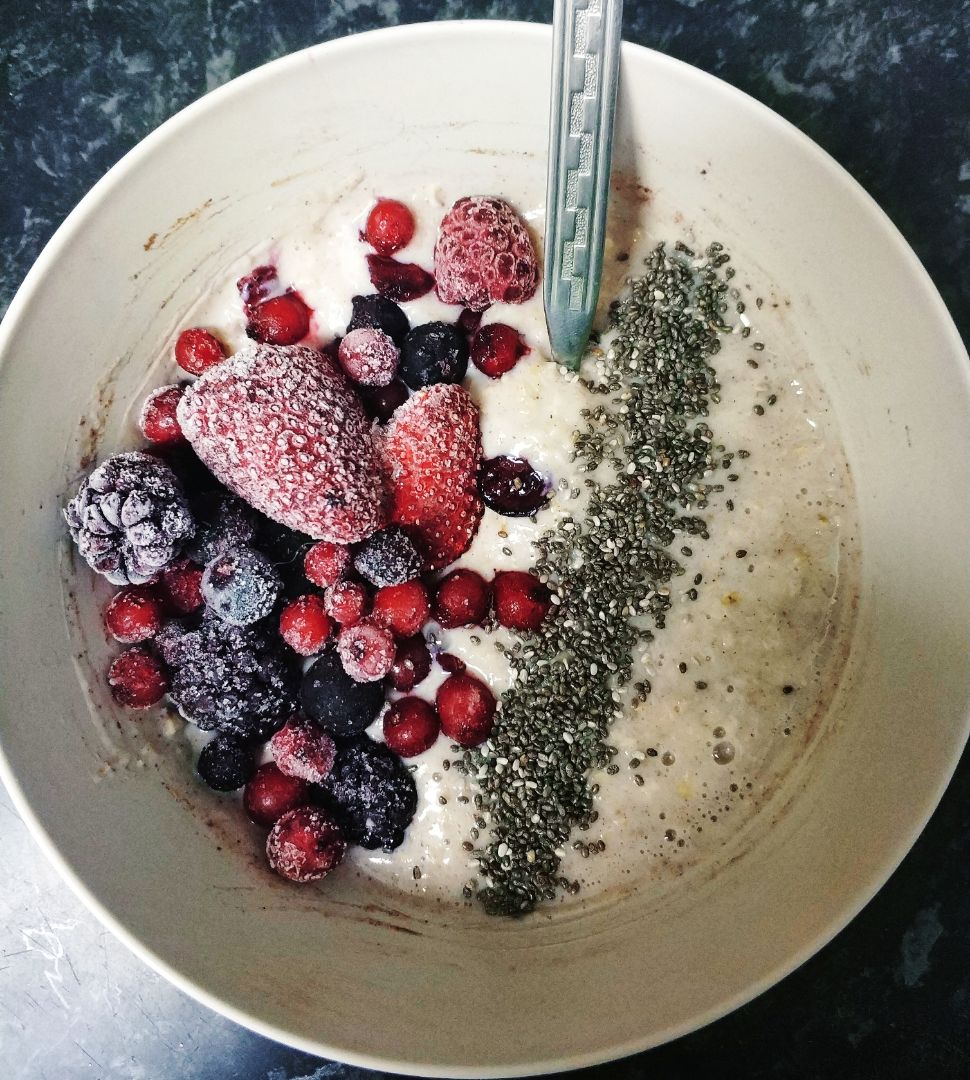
(931, 302)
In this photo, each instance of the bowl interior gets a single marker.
(163, 863)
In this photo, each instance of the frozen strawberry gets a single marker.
(484, 255)
(305, 844)
(466, 708)
(410, 726)
(270, 794)
(461, 599)
(196, 350)
(133, 614)
(305, 624)
(432, 448)
(158, 420)
(398, 281)
(390, 226)
(402, 609)
(280, 427)
(324, 564)
(368, 356)
(304, 750)
(346, 602)
(366, 651)
(521, 600)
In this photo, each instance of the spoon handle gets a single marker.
(585, 72)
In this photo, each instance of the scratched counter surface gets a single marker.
(885, 87)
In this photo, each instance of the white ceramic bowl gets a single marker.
(342, 972)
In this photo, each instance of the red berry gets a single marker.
(133, 614)
(466, 708)
(496, 349)
(410, 726)
(390, 226)
(368, 356)
(181, 587)
(305, 625)
(402, 609)
(521, 600)
(197, 349)
(462, 599)
(305, 844)
(454, 665)
(412, 664)
(158, 421)
(259, 284)
(283, 320)
(366, 651)
(398, 281)
(304, 750)
(271, 794)
(324, 563)
(137, 679)
(380, 402)
(346, 602)
(469, 321)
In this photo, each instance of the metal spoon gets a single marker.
(585, 72)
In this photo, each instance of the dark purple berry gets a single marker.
(389, 557)
(338, 703)
(382, 314)
(240, 586)
(226, 763)
(381, 402)
(223, 521)
(433, 353)
(511, 487)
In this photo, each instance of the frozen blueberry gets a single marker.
(226, 763)
(433, 353)
(223, 521)
(240, 586)
(380, 313)
(332, 698)
(389, 557)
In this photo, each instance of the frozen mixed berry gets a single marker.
(158, 421)
(434, 352)
(402, 609)
(496, 349)
(398, 281)
(412, 664)
(372, 793)
(226, 762)
(462, 598)
(366, 651)
(180, 585)
(466, 708)
(137, 678)
(389, 557)
(410, 726)
(241, 586)
(346, 602)
(521, 600)
(381, 402)
(369, 357)
(380, 313)
(196, 350)
(270, 794)
(134, 614)
(390, 226)
(223, 522)
(282, 428)
(305, 625)
(325, 563)
(484, 255)
(338, 703)
(237, 679)
(511, 487)
(261, 283)
(469, 321)
(453, 665)
(303, 749)
(282, 320)
(130, 518)
(305, 844)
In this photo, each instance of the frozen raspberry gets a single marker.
(305, 625)
(461, 599)
(137, 679)
(521, 600)
(380, 313)
(226, 762)
(282, 429)
(305, 844)
(241, 586)
(130, 518)
(324, 564)
(372, 793)
(158, 421)
(181, 587)
(496, 349)
(270, 794)
(412, 664)
(368, 357)
(197, 349)
(332, 698)
(484, 255)
(133, 614)
(410, 726)
(466, 708)
(381, 402)
(223, 522)
(346, 602)
(283, 320)
(512, 488)
(389, 557)
(432, 449)
(390, 226)
(302, 749)
(402, 609)
(433, 353)
(398, 281)
(366, 651)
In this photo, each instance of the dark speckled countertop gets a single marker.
(884, 87)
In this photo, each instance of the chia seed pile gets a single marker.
(649, 457)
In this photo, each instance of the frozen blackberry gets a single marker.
(332, 698)
(235, 679)
(372, 793)
(380, 313)
(389, 557)
(222, 522)
(226, 763)
(433, 353)
(130, 518)
(241, 586)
